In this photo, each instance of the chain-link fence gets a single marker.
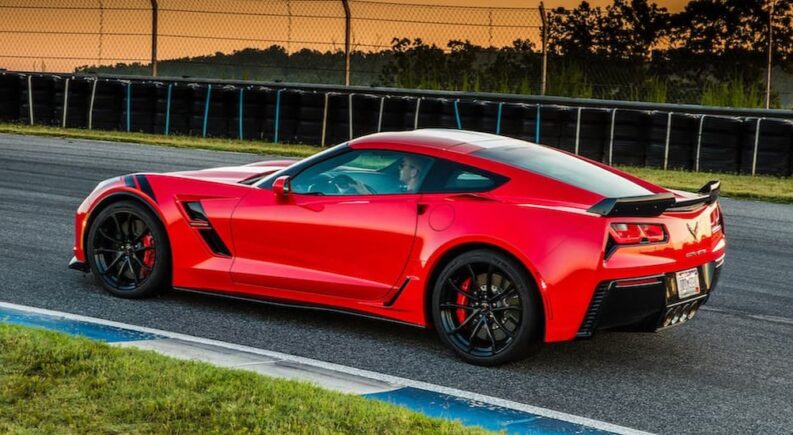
(590, 52)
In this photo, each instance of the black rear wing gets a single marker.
(654, 205)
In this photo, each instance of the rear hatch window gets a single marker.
(563, 167)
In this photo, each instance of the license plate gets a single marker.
(687, 283)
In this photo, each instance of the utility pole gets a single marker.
(544, 79)
(770, 54)
(154, 13)
(347, 30)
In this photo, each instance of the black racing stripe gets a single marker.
(145, 187)
(129, 181)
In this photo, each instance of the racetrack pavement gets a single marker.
(728, 370)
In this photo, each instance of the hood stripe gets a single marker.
(145, 187)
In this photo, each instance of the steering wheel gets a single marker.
(343, 184)
(320, 184)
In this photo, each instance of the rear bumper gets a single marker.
(646, 303)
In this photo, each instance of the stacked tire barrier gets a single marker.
(619, 133)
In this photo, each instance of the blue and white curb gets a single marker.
(437, 401)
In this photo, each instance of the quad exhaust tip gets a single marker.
(680, 313)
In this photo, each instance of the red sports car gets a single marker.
(497, 243)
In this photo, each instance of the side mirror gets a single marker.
(282, 186)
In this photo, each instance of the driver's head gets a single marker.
(410, 173)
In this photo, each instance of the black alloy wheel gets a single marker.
(128, 250)
(486, 308)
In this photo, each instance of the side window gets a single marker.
(364, 172)
(451, 177)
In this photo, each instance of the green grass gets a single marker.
(54, 383)
(766, 188)
(760, 187)
(244, 146)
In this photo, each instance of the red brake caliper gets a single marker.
(148, 255)
(463, 300)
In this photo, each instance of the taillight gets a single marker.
(715, 220)
(634, 234)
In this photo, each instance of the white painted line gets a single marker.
(260, 364)
(186, 350)
(548, 413)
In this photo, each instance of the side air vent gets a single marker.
(214, 242)
(196, 212)
(590, 319)
(199, 221)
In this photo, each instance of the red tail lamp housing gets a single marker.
(635, 234)
(715, 220)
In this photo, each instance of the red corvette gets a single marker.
(497, 243)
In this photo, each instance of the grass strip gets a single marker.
(761, 187)
(175, 141)
(54, 383)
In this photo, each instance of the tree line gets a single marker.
(712, 52)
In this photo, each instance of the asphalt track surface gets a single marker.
(730, 370)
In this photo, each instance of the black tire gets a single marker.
(128, 251)
(498, 322)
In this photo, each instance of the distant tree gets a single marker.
(574, 32)
(632, 29)
(733, 26)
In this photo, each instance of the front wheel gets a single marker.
(127, 249)
(485, 307)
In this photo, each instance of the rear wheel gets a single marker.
(127, 249)
(486, 309)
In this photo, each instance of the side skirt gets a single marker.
(313, 307)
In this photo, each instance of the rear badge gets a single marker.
(694, 230)
(695, 253)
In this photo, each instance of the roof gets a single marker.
(441, 138)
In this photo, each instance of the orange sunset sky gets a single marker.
(59, 35)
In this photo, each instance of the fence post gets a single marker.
(349, 112)
(544, 49)
(129, 106)
(347, 31)
(498, 120)
(91, 105)
(206, 110)
(241, 126)
(418, 108)
(380, 115)
(611, 135)
(65, 102)
(324, 120)
(770, 54)
(578, 132)
(168, 110)
(756, 145)
(154, 14)
(668, 138)
(699, 142)
(30, 98)
(457, 114)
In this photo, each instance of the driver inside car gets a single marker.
(410, 174)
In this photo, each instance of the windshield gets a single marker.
(563, 167)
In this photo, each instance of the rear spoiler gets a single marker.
(654, 205)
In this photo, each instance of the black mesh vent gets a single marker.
(590, 319)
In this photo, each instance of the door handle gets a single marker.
(422, 208)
